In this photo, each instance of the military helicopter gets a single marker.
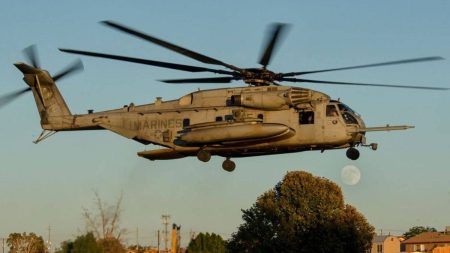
(262, 118)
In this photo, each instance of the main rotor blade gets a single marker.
(9, 97)
(32, 56)
(149, 62)
(202, 80)
(170, 46)
(432, 58)
(363, 84)
(69, 70)
(277, 30)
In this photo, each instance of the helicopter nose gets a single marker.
(361, 122)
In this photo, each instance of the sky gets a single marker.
(404, 183)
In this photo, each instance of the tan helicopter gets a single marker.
(263, 118)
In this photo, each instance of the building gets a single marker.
(385, 244)
(426, 242)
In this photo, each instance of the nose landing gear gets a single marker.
(352, 153)
(228, 165)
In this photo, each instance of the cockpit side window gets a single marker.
(332, 111)
(348, 118)
(306, 117)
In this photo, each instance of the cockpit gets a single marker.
(338, 109)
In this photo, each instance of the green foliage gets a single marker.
(206, 243)
(302, 213)
(418, 230)
(82, 244)
(25, 243)
(88, 244)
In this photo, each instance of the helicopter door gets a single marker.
(307, 126)
(332, 123)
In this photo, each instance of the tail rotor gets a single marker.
(31, 55)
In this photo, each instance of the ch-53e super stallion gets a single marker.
(263, 118)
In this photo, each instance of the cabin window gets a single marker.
(306, 117)
(332, 111)
(228, 117)
(261, 116)
(186, 122)
(219, 118)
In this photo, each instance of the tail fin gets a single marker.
(51, 105)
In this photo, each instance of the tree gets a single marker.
(25, 243)
(82, 244)
(206, 243)
(302, 213)
(104, 223)
(418, 230)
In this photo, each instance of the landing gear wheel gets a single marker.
(204, 156)
(352, 153)
(228, 165)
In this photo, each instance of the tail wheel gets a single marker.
(204, 156)
(352, 153)
(228, 165)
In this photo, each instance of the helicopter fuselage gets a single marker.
(231, 122)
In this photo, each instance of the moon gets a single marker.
(350, 174)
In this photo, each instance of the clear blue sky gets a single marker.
(404, 183)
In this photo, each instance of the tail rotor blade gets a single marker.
(69, 70)
(32, 56)
(9, 97)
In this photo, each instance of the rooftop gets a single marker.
(429, 237)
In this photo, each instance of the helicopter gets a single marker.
(262, 118)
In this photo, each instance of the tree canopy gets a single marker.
(302, 213)
(89, 244)
(25, 243)
(418, 230)
(206, 243)
(82, 244)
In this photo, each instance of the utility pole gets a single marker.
(166, 218)
(49, 243)
(3, 245)
(159, 240)
(137, 239)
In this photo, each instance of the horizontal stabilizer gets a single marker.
(27, 69)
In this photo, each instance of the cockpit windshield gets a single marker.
(345, 108)
(347, 114)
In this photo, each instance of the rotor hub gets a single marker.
(258, 76)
